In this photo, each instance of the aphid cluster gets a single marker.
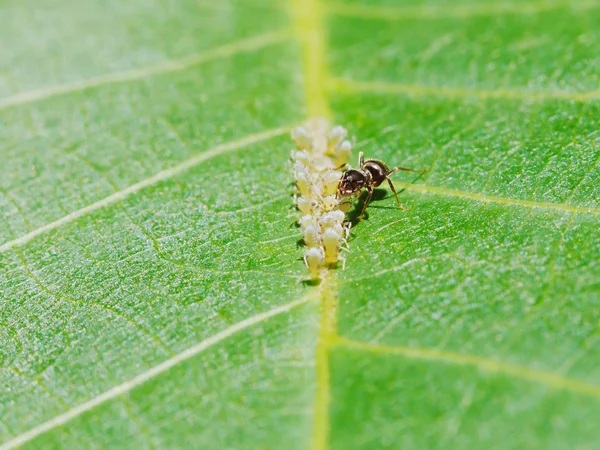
(320, 152)
(325, 194)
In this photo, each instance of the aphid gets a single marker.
(335, 136)
(332, 242)
(301, 137)
(307, 206)
(329, 202)
(344, 204)
(314, 260)
(342, 154)
(329, 219)
(307, 220)
(330, 181)
(319, 144)
(341, 230)
(301, 167)
(301, 156)
(335, 219)
(305, 183)
(311, 236)
(370, 174)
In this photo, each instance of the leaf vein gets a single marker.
(177, 65)
(142, 378)
(158, 177)
(485, 364)
(396, 13)
(423, 188)
(348, 86)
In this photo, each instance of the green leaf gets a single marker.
(149, 262)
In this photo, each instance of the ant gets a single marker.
(370, 174)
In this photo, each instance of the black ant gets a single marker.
(370, 174)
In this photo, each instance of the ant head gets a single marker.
(352, 181)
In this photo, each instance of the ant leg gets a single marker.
(366, 204)
(406, 169)
(361, 159)
(400, 205)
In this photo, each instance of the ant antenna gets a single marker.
(406, 169)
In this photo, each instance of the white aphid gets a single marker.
(340, 230)
(312, 236)
(301, 137)
(332, 243)
(301, 167)
(321, 163)
(307, 206)
(314, 260)
(335, 136)
(330, 181)
(329, 202)
(302, 156)
(307, 220)
(341, 154)
(305, 184)
(344, 204)
(319, 145)
(331, 218)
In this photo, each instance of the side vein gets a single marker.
(423, 188)
(344, 85)
(160, 176)
(155, 371)
(246, 45)
(488, 365)
(395, 13)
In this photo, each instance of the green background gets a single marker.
(145, 199)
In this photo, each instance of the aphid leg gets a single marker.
(400, 205)
(370, 190)
(343, 166)
(361, 160)
(347, 227)
(345, 246)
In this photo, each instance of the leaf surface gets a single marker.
(149, 263)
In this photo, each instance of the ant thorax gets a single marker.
(378, 170)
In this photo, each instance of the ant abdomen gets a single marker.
(379, 171)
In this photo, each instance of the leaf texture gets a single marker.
(149, 262)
